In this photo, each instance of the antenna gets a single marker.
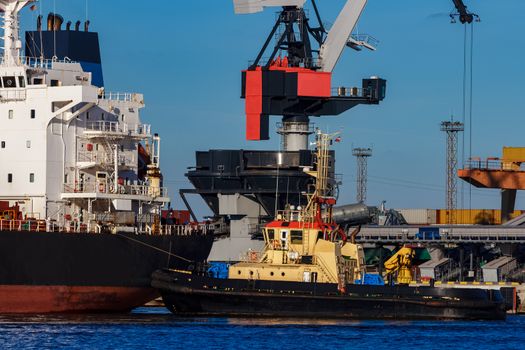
(452, 128)
(362, 155)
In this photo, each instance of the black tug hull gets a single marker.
(185, 294)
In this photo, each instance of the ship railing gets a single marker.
(101, 187)
(36, 62)
(186, 230)
(143, 130)
(103, 158)
(12, 95)
(98, 157)
(29, 225)
(290, 215)
(122, 96)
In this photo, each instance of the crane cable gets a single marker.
(468, 85)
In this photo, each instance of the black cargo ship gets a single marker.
(70, 247)
(189, 294)
(51, 272)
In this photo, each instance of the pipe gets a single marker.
(50, 21)
(86, 26)
(352, 214)
(354, 234)
(68, 26)
(77, 26)
(39, 23)
(115, 185)
(54, 22)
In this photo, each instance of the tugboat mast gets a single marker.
(321, 199)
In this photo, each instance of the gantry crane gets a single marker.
(294, 80)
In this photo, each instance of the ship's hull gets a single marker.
(69, 272)
(187, 294)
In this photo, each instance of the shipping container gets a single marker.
(461, 216)
(419, 216)
(473, 217)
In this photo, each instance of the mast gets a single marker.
(11, 38)
(321, 199)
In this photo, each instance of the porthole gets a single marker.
(271, 273)
(282, 274)
(251, 273)
(239, 272)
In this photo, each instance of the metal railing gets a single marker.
(118, 128)
(473, 234)
(287, 63)
(107, 188)
(35, 62)
(14, 94)
(103, 158)
(119, 96)
(75, 227)
(492, 164)
(186, 230)
(344, 91)
(29, 226)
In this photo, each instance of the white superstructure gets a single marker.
(69, 151)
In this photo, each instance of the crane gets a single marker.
(294, 80)
(400, 264)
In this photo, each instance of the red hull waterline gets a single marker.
(72, 299)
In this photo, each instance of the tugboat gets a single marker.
(308, 268)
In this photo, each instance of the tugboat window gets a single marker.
(9, 82)
(33, 114)
(3, 144)
(32, 177)
(10, 178)
(296, 237)
(271, 234)
(21, 82)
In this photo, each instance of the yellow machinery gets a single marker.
(400, 265)
(7, 215)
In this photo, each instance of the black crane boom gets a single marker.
(463, 14)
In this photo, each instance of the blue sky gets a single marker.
(186, 57)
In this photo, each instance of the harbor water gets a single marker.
(156, 328)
